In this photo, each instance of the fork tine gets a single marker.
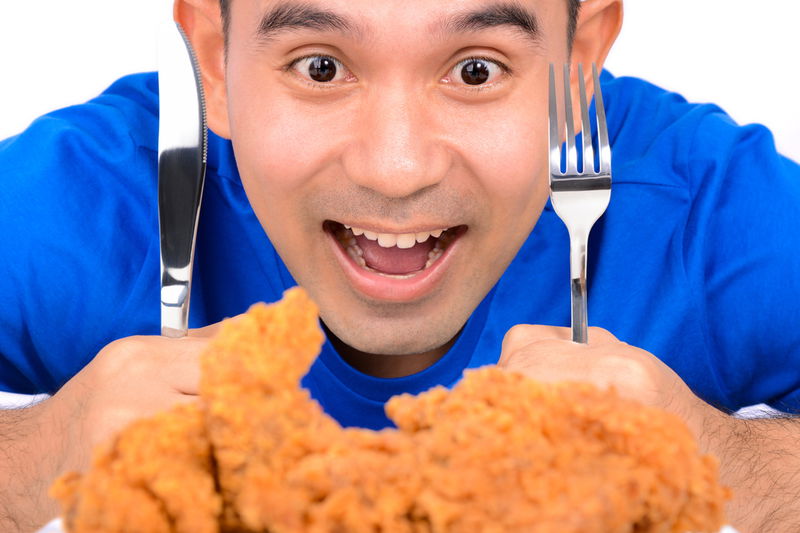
(603, 146)
(572, 155)
(554, 138)
(586, 128)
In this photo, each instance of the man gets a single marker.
(357, 125)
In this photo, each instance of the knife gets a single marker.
(182, 148)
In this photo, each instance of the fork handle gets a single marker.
(577, 258)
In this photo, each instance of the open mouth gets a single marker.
(398, 255)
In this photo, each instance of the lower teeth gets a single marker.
(356, 253)
(433, 255)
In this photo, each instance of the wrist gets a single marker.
(712, 428)
(28, 465)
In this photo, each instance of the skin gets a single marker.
(392, 147)
(398, 144)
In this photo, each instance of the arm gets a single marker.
(25, 467)
(760, 461)
(758, 458)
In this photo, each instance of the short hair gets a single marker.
(573, 6)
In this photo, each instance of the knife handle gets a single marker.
(182, 149)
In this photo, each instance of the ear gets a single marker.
(202, 22)
(598, 25)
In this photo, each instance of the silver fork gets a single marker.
(578, 198)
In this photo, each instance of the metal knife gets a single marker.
(182, 148)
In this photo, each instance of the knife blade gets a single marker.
(182, 151)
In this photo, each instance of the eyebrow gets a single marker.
(493, 16)
(289, 15)
(286, 16)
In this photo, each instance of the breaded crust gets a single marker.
(498, 453)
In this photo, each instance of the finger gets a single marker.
(182, 399)
(181, 363)
(206, 331)
(523, 335)
(212, 329)
(528, 333)
(598, 336)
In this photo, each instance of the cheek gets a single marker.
(280, 142)
(505, 148)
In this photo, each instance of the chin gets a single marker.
(389, 337)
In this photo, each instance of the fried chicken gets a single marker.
(156, 476)
(498, 453)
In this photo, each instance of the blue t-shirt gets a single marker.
(696, 259)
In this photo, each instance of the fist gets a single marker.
(547, 354)
(130, 378)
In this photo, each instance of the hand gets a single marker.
(546, 353)
(129, 379)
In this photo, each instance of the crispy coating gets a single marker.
(258, 418)
(504, 450)
(156, 476)
(498, 453)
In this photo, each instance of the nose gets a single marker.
(394, 149)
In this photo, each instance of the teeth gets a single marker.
(405, 240)
(357, 254)
(433, 255)
(401, 240)
(387, 240)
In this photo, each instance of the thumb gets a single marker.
(212, 329)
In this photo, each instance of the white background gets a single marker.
(742, 55)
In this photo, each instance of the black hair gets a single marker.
(225, 11)
(573, 6)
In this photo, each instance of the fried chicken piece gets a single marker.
(498, 453)
(505, 452)
(258, 418)
(155, 476)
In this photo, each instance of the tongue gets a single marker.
(395, 260)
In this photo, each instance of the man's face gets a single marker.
(407, 120)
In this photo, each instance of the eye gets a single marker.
(321, 69)
(475, 71)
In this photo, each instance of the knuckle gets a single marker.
(128, 346)
(516, 331)
(601, 335)
(633, 374)
(129, 355)
(518, 335)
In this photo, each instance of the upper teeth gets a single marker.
(401, 240)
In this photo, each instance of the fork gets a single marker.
(578, 198)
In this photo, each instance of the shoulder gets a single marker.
(117, 129)
(660, 138)
(129, 103)
(78, 222)
(76, 174)
(82, 148)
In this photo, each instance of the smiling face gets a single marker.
(394, 151)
